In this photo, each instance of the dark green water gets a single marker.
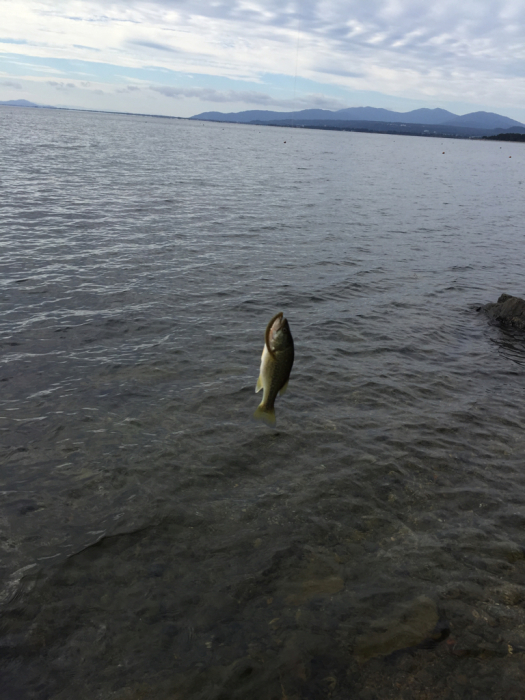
(155, 542)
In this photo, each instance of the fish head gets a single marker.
(279, 336)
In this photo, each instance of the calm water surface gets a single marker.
(155, 541)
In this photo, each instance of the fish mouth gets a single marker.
(276, 323)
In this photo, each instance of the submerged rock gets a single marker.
(508, 310)
(410, 627)
(317, 576)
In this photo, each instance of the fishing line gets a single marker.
(296, 64)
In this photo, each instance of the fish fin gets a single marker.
(259, 385)
(266, 415)
(283, 390)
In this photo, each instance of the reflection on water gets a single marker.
(158, 543)
(511, 344)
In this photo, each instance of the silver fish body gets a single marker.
(276, 365)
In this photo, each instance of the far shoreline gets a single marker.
(421, 130)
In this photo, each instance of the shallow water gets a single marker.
(156, 542)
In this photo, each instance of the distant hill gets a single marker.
(19, 103)
(484, 120)
(475, 120)
(405, 128)
(374, 114)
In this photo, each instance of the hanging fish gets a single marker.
(276, 365)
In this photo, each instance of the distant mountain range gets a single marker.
(305, 117)
(19, 103)
(437, 130)
(422, 122)
(25, 103)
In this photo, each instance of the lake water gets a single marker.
(157, 542)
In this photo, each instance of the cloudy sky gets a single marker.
(182, 57)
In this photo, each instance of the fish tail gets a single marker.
(265, 414)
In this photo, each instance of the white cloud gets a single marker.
(61, 85)
(11, 84)
(255, 99)
(439, 51)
